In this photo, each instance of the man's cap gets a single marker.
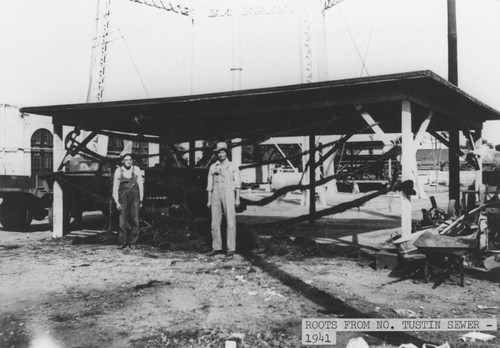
(221, 146)
(122, 156)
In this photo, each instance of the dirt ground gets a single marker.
(81, 291)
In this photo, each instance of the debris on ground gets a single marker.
(170, 295)
(407, 345)
(406, 313)
(151, 284)
(428, 345)
(477, 336)
(487, 307)
(357, 342)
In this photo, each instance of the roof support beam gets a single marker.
(445, 141)
(421, 131)
(416, 145)
(283, 154)
(374, 125)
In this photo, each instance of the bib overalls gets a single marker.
(128, 195)
(223, 203)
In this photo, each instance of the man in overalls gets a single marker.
(128, 191)
(223, 189)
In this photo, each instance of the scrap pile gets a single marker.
(165, 232)
(447, 243)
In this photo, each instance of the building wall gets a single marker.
(15, 139)
(16, 130)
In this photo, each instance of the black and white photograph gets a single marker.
(249, 173)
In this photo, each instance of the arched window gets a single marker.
(41, 152)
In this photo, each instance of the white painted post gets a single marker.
(57, 200)
(406, 165)
(479, 173)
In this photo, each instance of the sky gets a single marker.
(47, 46)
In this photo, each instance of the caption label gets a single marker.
(324, 331)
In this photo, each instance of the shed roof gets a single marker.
(314, 108)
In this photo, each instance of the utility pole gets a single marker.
(452, 43)
(454, 170)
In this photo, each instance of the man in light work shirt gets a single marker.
(128, 192)
(223, 197)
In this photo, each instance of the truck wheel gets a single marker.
(15, 219)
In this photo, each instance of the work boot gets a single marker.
(123, 246)
(229, 255)
(213, 253)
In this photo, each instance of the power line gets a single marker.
(61, 34)
(354, 43)
(135, 66)
(58, 54)
(368, 43)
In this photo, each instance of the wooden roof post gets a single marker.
(454, 159)
(406, 165)
(479, 173)
(305, 170)
(57, 193)
(312, 177)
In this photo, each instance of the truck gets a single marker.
(26, 178)
(25, 156)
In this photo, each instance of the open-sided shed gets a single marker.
(408, 103)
